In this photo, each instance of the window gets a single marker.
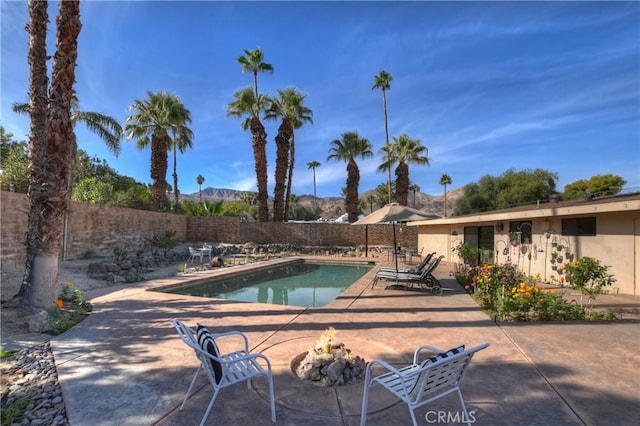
(579, 226)
(525, 229)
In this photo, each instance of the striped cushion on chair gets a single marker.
(442, 355)
(206, 342)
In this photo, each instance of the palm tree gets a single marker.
(248, 105)
(371, 200)
(445, 180)
(414, 187)
(288, 107)
(347, 149)
(182, 136)
(383, 81)
(302, 115)
(314, 165)
(403, 151)
(200, 180)
(253, 62)
(106, 127)
(52, 143)
(155, 117)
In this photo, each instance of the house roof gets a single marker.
(584, 206)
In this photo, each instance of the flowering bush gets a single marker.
(589, 277)
(491, 283)
(508, 295)
(70, 308)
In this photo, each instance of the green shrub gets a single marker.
(589, 277)
(71, 308)
(90, 254)
(164, 240)
(14, 412)
(120, 254)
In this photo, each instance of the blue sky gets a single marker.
(485, 86)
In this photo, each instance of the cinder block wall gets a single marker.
(101, 229)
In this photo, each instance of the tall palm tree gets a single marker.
(383, 81)
(314, 165)
(182, 136)
(347, 149)
(414, 187)
(288, 107)
(403, 151)
(302, 115)
(253, 61)
(249, 106)
(154, 119)
(200, 180)
(52, 142)
(445, 180)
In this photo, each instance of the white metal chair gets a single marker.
(195, 254)
(224, 370)
(423, 381)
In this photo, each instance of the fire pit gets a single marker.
(329, 363)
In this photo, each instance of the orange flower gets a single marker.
(69, 284)
(60, 303)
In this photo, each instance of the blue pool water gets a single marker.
(298, 284)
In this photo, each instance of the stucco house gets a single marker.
(544, 237)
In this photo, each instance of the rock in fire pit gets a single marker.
(329, 363)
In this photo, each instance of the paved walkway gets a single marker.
(125, 365)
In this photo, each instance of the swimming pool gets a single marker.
(303, 283)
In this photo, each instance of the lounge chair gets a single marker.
(423, 381)
(417, 269)
(408, 279)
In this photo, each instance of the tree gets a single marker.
(250, 106)
(414, 187)
(445, 180)
(253, 61)
(105, 127)
(314, 165)
(595, 186)
(511, 189)
(347, 149)
(200, 180)
(403, 151)
(153, 120)
(51, 146)
(14, 163)
(371, 200)
(288, 107)
(383, 81)
(182, 137)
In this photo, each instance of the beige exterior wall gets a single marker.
(616, 243)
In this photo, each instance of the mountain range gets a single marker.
(333, 207)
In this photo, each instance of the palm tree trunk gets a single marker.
(282, 160)
(353, 180)
(38, 82)
(176, 192)
(51, 195)
(445, 200)
(402, 183)
(259, 141)
(386, 132)
(159, 170)
(292, 152)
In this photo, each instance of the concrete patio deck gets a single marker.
(125, 364)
